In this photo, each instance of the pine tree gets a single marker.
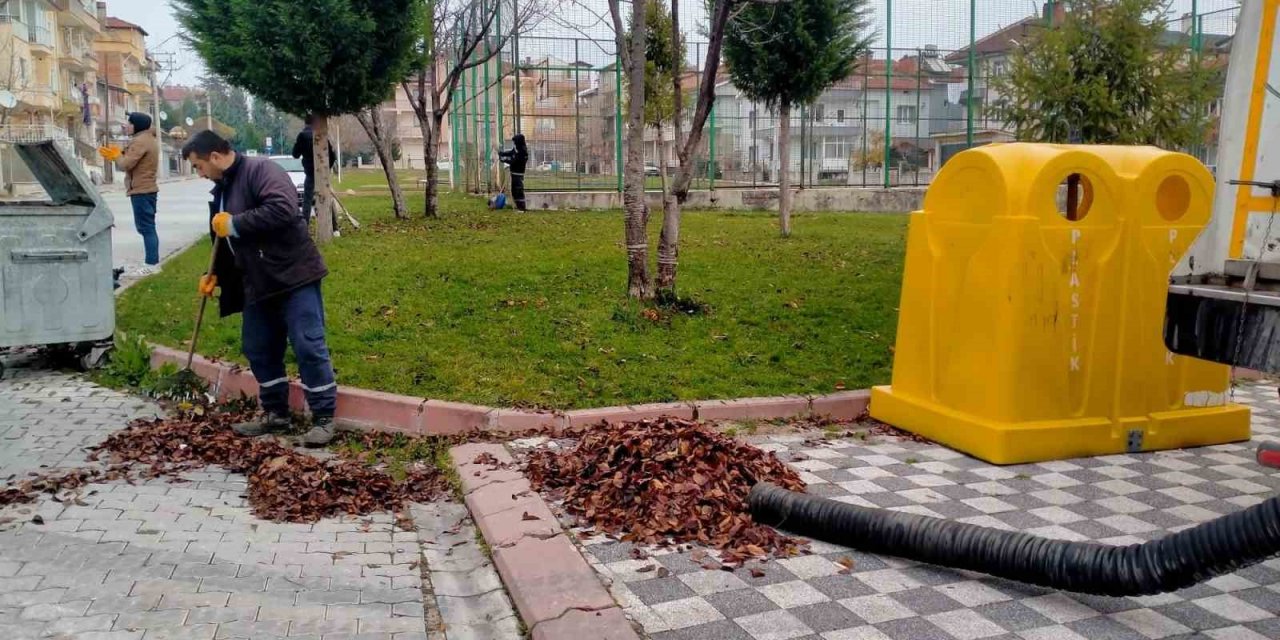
(1106, 74)
(322, 57)
(786, 55)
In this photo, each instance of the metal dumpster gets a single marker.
(55, 261)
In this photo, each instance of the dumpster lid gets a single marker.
(66, 184)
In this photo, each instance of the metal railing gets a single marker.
(40, 35)
(76, 46)
(928, 88)
(30, 133)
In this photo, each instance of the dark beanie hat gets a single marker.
(140, 121)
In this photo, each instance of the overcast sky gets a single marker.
(916, 23)
(156, 17)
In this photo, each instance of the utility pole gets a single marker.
(157, 123)
(108, 168)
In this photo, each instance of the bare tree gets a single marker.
(383, 138)
(635, 209)
(460, 35)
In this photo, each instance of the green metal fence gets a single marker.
(923, 95)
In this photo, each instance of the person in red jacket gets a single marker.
(269, 269)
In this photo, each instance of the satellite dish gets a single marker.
(190, 122)
(163, 116)
(8, 100)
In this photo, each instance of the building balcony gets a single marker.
(38, 98)
(40, 40)
(77, 54)
(81, 13)
(31, 133)
(137, 83)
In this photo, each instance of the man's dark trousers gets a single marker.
(295, 318)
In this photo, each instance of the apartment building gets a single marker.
(73, 73)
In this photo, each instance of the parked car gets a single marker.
(296, 173)
(652, 170)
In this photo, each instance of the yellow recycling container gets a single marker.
(1031, 323)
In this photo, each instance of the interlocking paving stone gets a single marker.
(157, 560)
(1118, 499)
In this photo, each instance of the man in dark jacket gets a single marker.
(304, 148)
(267, 254)
(517, 159)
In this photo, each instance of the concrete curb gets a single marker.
(422, 416)
(557, 593)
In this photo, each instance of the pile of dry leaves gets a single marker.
(284, 484)
(667, 482)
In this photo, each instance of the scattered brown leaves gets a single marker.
(284, 485)
(26, 490)
(847, 563)
(877, 428)
(667, 481)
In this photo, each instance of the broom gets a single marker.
(186, 385)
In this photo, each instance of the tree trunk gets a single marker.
(430, 156)
(324, 186)
(633, 198)
(375, 126)
(669, 241)
(784, 168)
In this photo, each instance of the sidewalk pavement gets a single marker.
(157, 560)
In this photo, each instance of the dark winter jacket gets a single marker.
(517, 158)
(304, 148)
(272, 251)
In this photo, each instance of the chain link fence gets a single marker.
(922, 95)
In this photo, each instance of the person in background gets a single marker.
(269, 269)
(517, 159)
(140, 162)
(304, 149)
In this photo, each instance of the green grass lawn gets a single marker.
(367, 179)
(529, 309)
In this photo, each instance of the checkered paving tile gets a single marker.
(1118, 499)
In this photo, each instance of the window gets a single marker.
(906, 113)
(835, 149)
(998, 68)
(751, 118)
(839, 115)
(819, 112)
(546, 125)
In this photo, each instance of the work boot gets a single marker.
(321, 433)
(268, 424)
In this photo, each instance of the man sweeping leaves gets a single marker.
(269, 269)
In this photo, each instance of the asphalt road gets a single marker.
(182, 217)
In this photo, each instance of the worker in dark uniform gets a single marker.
(270, 271)
(517, 159)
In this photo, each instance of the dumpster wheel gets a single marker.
(95, 356)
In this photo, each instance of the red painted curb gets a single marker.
(420, 416)
(552, 586)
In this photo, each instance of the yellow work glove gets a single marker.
(222, 224)
(110, 153)
(207, 285)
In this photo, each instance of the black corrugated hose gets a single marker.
(1174, 562)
